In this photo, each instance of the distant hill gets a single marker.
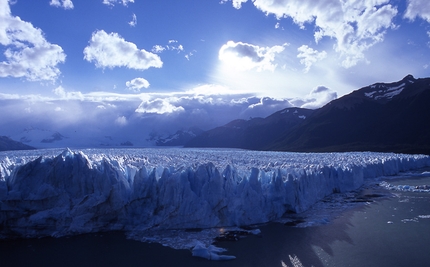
(8, 144)
(254, 133)
(179, 138)
(386, 117)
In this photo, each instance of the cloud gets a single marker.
(63, 94)
(266, 106)
(111, 50)
(309, 56)
(66, 4)
(121, 121)
(354, 25)
(137, 84)
(158, 106)
(87, 118)
(209, 89)
(244, 56)
(236, 3)
(27, 53)
(133, 21)
(158, 49)
(113, 2)
(172, 45)
(418, 8)
(317, 98)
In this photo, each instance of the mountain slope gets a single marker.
(382, 117)
(179, 138)
(8, 144)
(254, 133)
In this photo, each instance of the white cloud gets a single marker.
(158, 106)
(356, 25)
(189, 55)
(317, 98)
(418, 8)
(86, 118)
(266, 106)
(133, 21)
(236, 3)
(244, 56)
(111, 50)
(63, 94)
(309, 56)
(158, 49)
(209, 89)
(66, 4)
(113, 2)
(137, 84)
(27, 52)
(172, 45)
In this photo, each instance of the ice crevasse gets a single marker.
(137, 189)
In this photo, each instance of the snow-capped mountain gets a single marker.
(253, 133)
(391, 117)
(380, 117)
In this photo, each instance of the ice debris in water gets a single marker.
(54, 192)
(211, 252)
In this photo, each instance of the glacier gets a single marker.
(53, 192)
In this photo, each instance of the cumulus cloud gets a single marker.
(309, 56)
(244, 56)
(158, 106)
(137, 84)
(111, 50)
(418, 8)
(355, 25)
(66, 4)
(317, 98)
(28, 54)
(63, 94)
(113, 2)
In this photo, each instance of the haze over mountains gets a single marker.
(387, 117)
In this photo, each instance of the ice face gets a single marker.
(51, 192)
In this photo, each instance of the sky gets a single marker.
(159, 66)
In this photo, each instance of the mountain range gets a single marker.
(255, 133)
(386, 117)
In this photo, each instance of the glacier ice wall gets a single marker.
(49, 192)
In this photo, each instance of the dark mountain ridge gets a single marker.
(254, 133)
(8, 144)
(385, 117)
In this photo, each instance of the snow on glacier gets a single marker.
(57, 193)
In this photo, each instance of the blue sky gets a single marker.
(184, 56)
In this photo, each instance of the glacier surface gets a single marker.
(57, 193)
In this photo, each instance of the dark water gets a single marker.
(392, 231)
